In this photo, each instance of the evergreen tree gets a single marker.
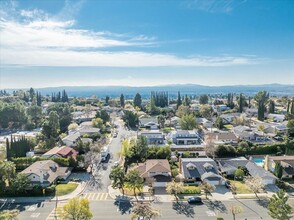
(271, 106)
(278, 170)
(179, 100)
(32, 93)
(241, 103)
(278, 206)
(203, 99)
(107, 100)
(138, 100)
(261, 98)
(122, 101)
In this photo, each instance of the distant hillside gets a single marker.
(189, 89)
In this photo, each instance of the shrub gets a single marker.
(174, 172)
(192, 190)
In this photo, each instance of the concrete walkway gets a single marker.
(77, 192)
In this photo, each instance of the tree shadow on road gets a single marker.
(184, 208)
(216, 206)
(123, 203)
(262, 202)
(95, 182)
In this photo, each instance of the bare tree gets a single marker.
(207, 188)
(235, 210)
(210, 147)
(175, 188)
(254, 183)
(146, 211)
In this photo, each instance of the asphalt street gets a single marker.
(252, 210)
(101, 179)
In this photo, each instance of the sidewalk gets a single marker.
(79, 190)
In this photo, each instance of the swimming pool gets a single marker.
(258, 160)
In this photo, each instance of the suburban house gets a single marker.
(221, 108)
(287, 163)
(274, 129)
(229, 118)
(197, 170)
(46, 172)
(276, 117)
(173, 122)
(61, 152)
(251, 112)
(71, 139)
(149, 123)
(156, 171)
(204, 122)
(222, 137)
(183, 141)
(82, 116)
(228, 166)
(153, 137)
(249, 134)
(88, 130)
(183, 137)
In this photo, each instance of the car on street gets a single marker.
(194, 200)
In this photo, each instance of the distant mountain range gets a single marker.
(189, 89)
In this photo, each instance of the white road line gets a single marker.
(35, 215)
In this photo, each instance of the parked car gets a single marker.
(195, 200)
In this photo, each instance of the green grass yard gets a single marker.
(63, 189)
(241, 188)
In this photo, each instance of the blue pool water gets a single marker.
(258, 160)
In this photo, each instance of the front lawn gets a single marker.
(228, 126)
(192, 190)
(63, 189)
(241, 188)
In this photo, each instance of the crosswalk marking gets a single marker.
(54, 215)
(210, 213)
(35, 215)
(31, 208)
(95, 196)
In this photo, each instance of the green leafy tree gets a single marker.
(7, 172)
(239, 174)
(20, 183)
(130, 118)
(290, 126)
(138, 100)
(206, 111)
(278, 206)
(203, 99)
(261, 98)
(117, 175)
(182, 110)
(219, 123)
(134, 181)
(103, 115)
(77, 209)
(34, 113)
(188, 122)
(161, 121)
(9, 214)
(278, 170)
(51, 126)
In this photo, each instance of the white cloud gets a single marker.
(214, 6)
(34, 38)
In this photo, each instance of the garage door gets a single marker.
(213, 182)
(159, 184)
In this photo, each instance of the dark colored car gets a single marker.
(195, 200)
(228, 185)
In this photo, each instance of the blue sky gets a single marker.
(210, 42)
